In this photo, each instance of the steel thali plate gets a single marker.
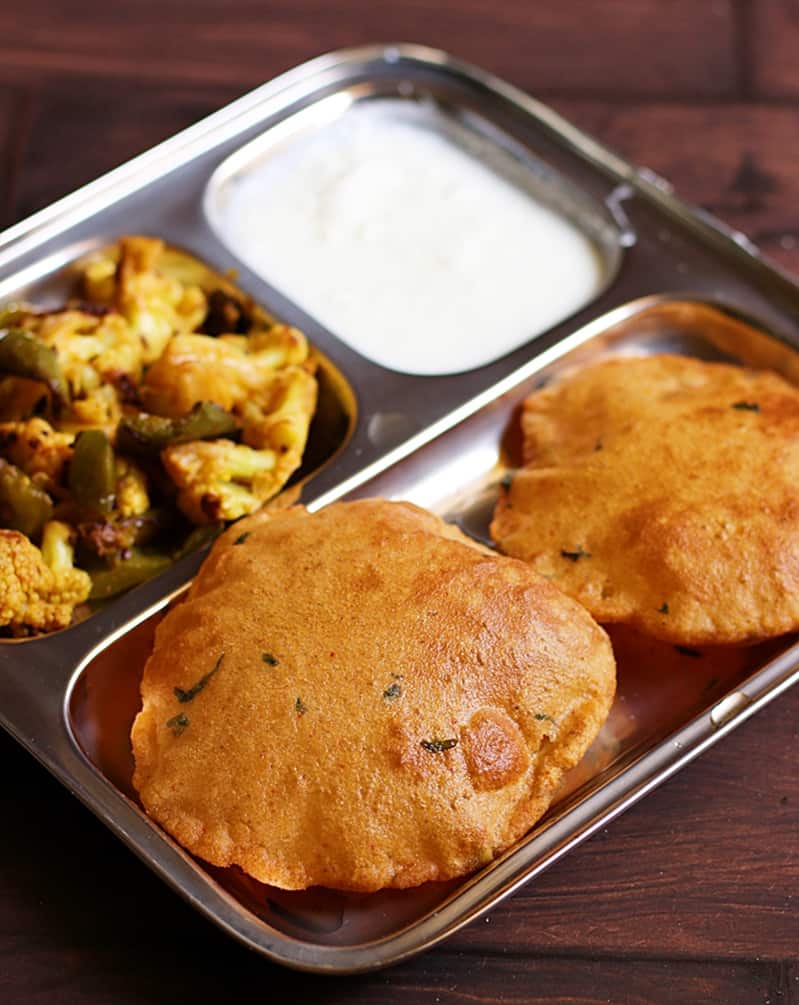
(676, 282)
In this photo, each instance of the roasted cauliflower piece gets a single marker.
(196, 368)
(101, 359)
(275, 347)
(264, 380)
(39, 589)
(278, 415)
(224, 370)
(221, 480)
(155, 305)
(38, 449)
(92, 349)
(101, 409)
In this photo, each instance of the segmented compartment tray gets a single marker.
(675, 281)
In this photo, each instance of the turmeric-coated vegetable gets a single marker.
(24, 356)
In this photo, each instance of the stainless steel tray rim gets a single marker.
(250, 109)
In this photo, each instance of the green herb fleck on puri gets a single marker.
(543, 717)
(664, 608)
(507, 480)
(438, 746)
(392, 691)
(242, 537)
(269, 659)
(177, 723)
(300, 707)
(575, 556)
(194, 690)
(746, 406)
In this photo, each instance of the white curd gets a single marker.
(407, 247)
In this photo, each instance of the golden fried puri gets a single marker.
(363, 698)
(663, 492)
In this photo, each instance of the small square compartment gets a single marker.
(418, 233)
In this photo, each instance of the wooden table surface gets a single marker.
(694, 894)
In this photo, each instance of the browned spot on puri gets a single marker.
(494, 748)
(367, 580)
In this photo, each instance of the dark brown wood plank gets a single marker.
(177, 974)
(774, 27)
(594, 46)
(14, 123)
(78, 131)
(737, 160)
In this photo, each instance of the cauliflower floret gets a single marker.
(131, 494)
(101, 409)
(277, 416)
(220, 480)
(38, 449)
(91, 349)
(226, 370)
(155, 305)
(39, 589)
(280, 345)
(196, 368)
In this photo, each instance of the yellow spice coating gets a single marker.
(35, 594)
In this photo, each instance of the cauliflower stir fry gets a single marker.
(158, 400)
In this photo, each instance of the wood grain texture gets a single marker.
(693, 895)
(15, 107)
(78, 131)
(607, 46)
(774, 30)
(737, 160)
